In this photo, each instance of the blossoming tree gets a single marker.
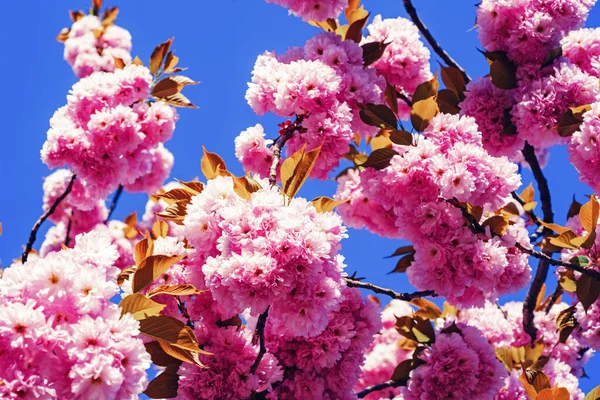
(236, 288)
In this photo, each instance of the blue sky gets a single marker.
(219, 42)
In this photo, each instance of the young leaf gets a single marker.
(574, 208)
(137, 61)
(63, 35)
(454, 81)
(165, 385)
(159, 356)
(571, 120)
(528, 194)
(211, 164)
(175, 212)
(588, 290)
(158, 55)
(564, 240)
(194, 187)
(426, 90)
(373, 51)
(354, 32)
(171, 85)
(151, 268)
(401, 251)
(391, 97)
(588, 214)
(448, 102)
(379, 159)
(119, 63)
(427, 309)
(503, 72)
(177, 100)
(175, 195)
(109, 16)
(594, 394)
(555, 393)
(130, 229)
(160, 229)
(302, 165)
(176, 290)
(378, 115)
(401, 137)
(325, 204)
(142, 249)
(140, 306)
(422, 112)
(498, 224)
(124, 275)
(404, 263)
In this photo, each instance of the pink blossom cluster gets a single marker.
(528, 29)
(491, 109)
(582, 48)
(584, 148)
(91, 47)
(252, 151)
(318, 10)
(322, 83)
(385, 353)
(459, 365)
(503, 327)
(542, 101)
(262, 253)
(109, 136)
(60, 335)
(449, 163)
(405, 61)
(326, 366)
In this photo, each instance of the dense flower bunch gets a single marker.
(449, 163)
(261, 253)
(110, 137)
(385, 352)
(62, 337)
(405, 61)
(458, 365)
(322, 83)
(582, 48)
(584, 149)
(252, 151)
(318, 10)
(528, 29)
(326, 366)
(92, 45)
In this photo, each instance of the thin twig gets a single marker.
(44, 217)
(558, 263)
(388, 292)
(68, 236)
(184, 312)
(260, 332)
(540, 230)
(412, 13)
(404, 98)
(277, 156)
(557, 293)
(380, 386)
(113, 205)
(545, 260)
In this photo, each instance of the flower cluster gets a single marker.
(252, 151)
(385, 353)
(318, 10)
(458, 365)
(326, 366)
(582, 48)
(323, 83)
(449, 163)
(405, 61)
(91, 46)
(584, 149)
(60, 335)
(261, 253)
(528, 29)
(109, 136)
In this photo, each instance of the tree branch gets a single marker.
(545, 260)
(412, 13)
(260, 332)
(44, 217)
(388, 292)
(558, 263)
(285, 133)
(184, 312)
(113, 205)
(68, 236)
(381, 386)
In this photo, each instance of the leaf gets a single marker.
(391, 97)
(354, 32)
(564, 240)
(529, 389)
(63, 35)
(417, 329)
(403, 370)
(555, 227)
(130, 229)
(352, 5)
(594, 394)
(124, 274)
(142, 249)
(356, 14)
(555, 393)
(379, 159)
(582, 261)
(194, 187)
(588, 214)
(244, 186)
(159, 356)
(211, 164)
(176, 212)
(175, 290)
(475, 211)
(171, 85)
(119, 63)
(403, 264)
(325, 204)
(151, 268)
(177, 100)
(498, 224)
(165, 385)
(160, 229)
(329, 25)
(422, 112)
(426, 90)
(565, 323)
(76, 15)
(574, 208)
(588, 290)
(586, 241)
(401, 137)
(96, 6)
(401, 251)
(427, 309)
(158, 55)
(137, 61)
(378, 115)
(178, 194)
(448, 102)
(296, 169)
(571, 120)
(503, 72)
(528, 194)
(567, 281)
(170, 62)
(109, 16)
(140, 307)
(454, 81)
(373, 51)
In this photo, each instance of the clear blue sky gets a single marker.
(219, 42)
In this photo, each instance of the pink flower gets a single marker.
(318, 10)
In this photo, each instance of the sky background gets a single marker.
(219, 42)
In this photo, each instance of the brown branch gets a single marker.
(277, 156)
(545, 260)
(380, 386)
(68, 235)
(113, 205)
(44, 217)
(557, 293)
(388, 292)
(260, 332)
(558, 263)
(412, 13)
(183, 310)
(404, 98)
(541, 229)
